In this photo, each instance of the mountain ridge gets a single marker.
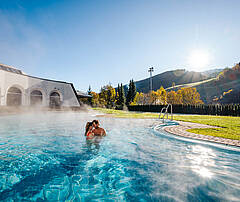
(223, 89)
(172, 77)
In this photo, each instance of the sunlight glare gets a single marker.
(202, 160)
(198, 60)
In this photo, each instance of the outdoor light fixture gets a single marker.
(150, 70)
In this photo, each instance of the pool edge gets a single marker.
(179, 129)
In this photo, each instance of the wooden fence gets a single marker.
(221, 110)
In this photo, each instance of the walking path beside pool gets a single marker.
(180, 130)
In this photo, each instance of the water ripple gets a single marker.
(48, 159)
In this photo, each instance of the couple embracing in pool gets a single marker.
(93, 130)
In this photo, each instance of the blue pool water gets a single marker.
(45, 157)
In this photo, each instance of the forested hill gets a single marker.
(168, 78)
(224, 89)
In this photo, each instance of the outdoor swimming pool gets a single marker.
(44, 157)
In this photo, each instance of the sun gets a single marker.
(198, 60)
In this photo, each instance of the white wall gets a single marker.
(1, 86)
(27, 84)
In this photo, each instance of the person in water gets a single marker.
(98, 131)
(89, 131)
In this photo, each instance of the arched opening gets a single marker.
(55, 100)
(14, 97)
(36, 97)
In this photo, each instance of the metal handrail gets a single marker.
(161, 112)
(166, 112)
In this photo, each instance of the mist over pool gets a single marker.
(45, 157)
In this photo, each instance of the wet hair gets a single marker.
(87, 127)
(95, 121)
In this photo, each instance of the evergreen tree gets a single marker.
(134, 91)
(131, 92)
(90, 99)
(118, 89)
(118, 96)
(89, 90)
(122, 96)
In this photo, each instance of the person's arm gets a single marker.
(92, 134)
(103, 132)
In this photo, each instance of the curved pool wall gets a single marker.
(159, 130)
(45, 157)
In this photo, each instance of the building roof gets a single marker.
(82, 94)
(10, 69)
(17, 71)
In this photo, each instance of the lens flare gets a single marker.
(198, 60)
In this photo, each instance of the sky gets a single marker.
(97, 42)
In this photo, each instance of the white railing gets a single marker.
(166, 112)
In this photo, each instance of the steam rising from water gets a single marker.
(45, 157)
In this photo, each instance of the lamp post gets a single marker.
(150, 70)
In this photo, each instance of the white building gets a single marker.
(19, 89)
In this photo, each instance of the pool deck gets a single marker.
(180, 130)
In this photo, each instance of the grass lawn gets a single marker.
(229, 127)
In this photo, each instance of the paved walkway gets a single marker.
(180, 130)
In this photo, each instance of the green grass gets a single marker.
(127, 114)
(229, 127)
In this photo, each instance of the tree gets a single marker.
(146, 99)
(134, 91)
(103, 97)
(89, 90)
(110, 95)
(117, 96)
(158, 97)
(95, 99)
(172, 97)
(90, 101)
(161, 96)
(139, 99)
(120, 97)
(153, 97)
(136, 100)
(131, 92)
(128, 98)
(179, 97)
(190, 96)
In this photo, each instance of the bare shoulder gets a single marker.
(103, 131)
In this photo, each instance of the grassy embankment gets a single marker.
(229, 127)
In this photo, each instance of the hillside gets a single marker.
(224, 89)
(187, 85)
(212, 73)
(166, 79)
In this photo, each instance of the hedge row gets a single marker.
(221, 110)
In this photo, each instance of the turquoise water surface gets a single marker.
(45, 157)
